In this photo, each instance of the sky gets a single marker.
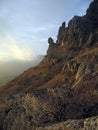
(25, 25)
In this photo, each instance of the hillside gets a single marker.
(61, 92)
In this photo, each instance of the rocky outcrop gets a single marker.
(71, 66)
(92, 12)
(86, 124)
(50, 41)
(62, 91)
(81, 31)
(83, 70)
(61, 33)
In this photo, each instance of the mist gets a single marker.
(11, 69)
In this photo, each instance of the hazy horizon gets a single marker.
(11, 69)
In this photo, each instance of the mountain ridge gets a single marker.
(61, 92)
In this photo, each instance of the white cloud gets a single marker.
(10, 49)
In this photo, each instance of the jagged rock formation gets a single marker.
(62, 91)
(50, 41)
(61, 33)
(92, 12)
(81, 30)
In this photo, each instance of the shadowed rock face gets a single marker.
(92, 12)
(50, 41)
(81, 30)
(62, 91)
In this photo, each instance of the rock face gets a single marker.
(61, 33)
(81, 30)
(92, 12)
(50, 41)
(62, 91)
(86, 124)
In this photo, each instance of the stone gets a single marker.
(69, 99)
(50, 41)
(92, 12)
(89, 68)
(80, 71)
(61, 33)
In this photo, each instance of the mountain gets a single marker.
(11, 69)
(61, 92)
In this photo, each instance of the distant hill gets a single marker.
(61, 92)
(11, 69)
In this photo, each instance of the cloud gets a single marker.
(10, 50)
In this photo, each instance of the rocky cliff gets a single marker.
(62, 91)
